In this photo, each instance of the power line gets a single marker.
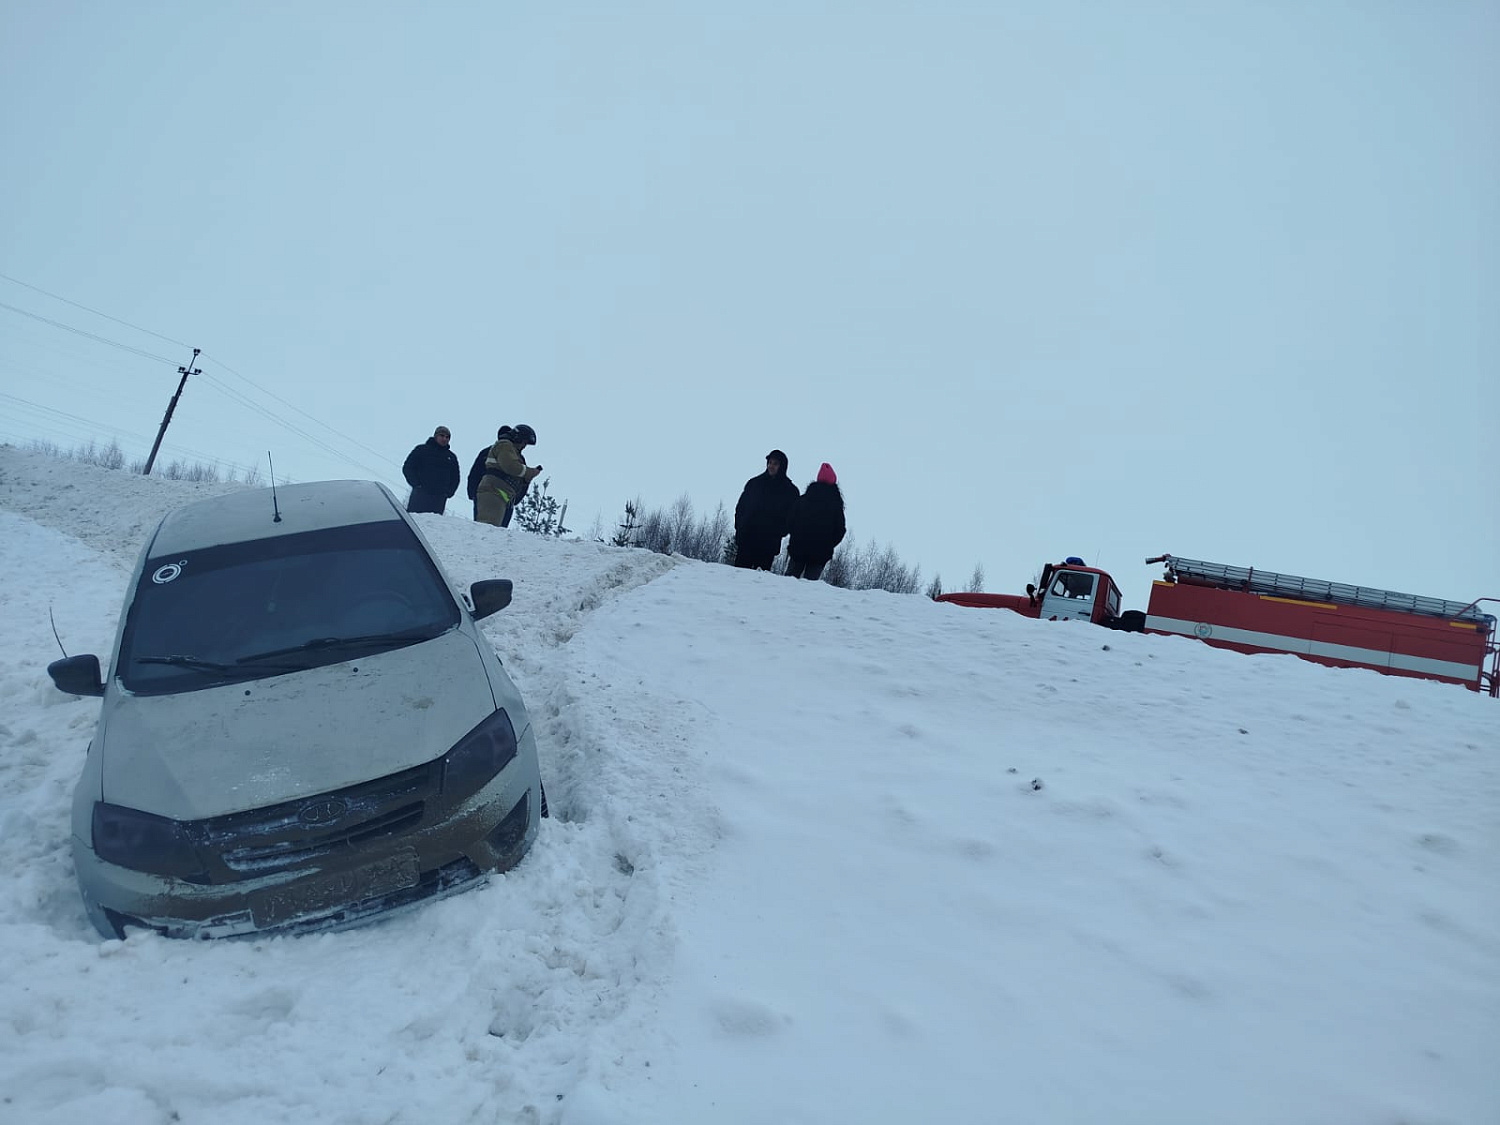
(63, 414)
(72, 428)
(290, 406)
(75, 355)
(215, 383)
(85, 308)
(249, 404)
(76, 428)
(90, 335)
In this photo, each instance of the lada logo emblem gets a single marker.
(325, 811)
(164, 574)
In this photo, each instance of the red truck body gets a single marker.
(1247, 610)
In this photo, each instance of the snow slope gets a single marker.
(816, 856)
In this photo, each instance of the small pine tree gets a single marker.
(541, 513)
(626, 531)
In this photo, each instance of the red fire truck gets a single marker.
(1251, 610)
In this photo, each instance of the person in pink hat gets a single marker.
(817, 526)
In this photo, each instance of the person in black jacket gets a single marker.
(817, 526)
(762, 515)
(432, 471)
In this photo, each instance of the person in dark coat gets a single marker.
(432, 471)
(817, 526)
(762, 515)
(476, 474)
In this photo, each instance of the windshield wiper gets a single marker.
(323, 644)
(199, 665)
(186, 662)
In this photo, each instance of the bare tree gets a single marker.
(677, 531)
(110, 456)
(840, 569)
(680, 521)
(655, 532)
(194, 471)
(716, 530)
(873, 567)
(888, 572)
(976, 580)
(700, 538)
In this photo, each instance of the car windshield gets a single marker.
(245, 611)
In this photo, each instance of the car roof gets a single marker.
(237, 517)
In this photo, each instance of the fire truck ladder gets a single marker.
(1489, 680)
(1252, 581)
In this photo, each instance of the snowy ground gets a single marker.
(816, 856)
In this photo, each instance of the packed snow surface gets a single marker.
(815, 856)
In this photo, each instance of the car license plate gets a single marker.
(342, 888)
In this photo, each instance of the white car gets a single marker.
(303, 726)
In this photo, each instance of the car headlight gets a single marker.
(479, 755)
(143, 842)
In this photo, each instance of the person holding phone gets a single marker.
(506, 475)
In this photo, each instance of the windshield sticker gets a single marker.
(165, 574)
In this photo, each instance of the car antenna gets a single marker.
(275, 509)
(54, 632)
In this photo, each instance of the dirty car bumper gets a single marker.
(319, 888)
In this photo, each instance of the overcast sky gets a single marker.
(1036, 278)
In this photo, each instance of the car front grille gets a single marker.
(283, 853)
(433, 884)
(282, 837)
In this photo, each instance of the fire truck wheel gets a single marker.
(1131, 621)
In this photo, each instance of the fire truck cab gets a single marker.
(1068, 591)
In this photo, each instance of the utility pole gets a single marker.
(171, 406)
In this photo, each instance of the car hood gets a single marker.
(247, 745)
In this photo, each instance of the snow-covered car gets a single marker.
(303, 726)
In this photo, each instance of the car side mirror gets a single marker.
(1031, 592)
(77, 675)
(490, 596)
